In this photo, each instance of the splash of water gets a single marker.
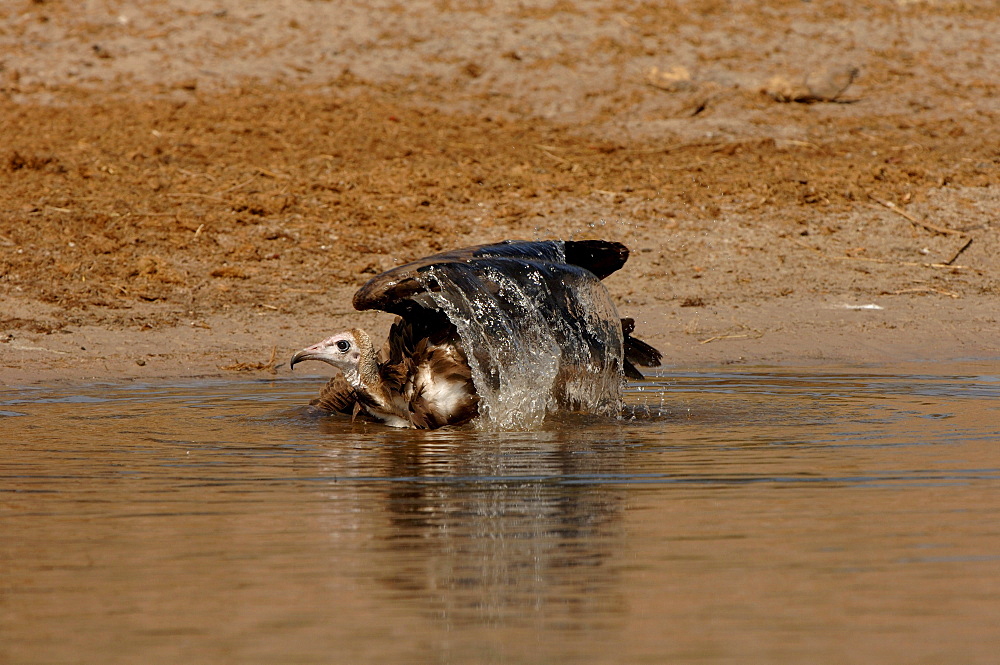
(540, 336)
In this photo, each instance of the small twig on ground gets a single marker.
(272, 174)
(801, 144)
(196, 175)
(869, 259)
(922, 289)
(939, 266)
(706, 143)
(237, 185)
(914, 220)
(803, 243)
(719, 337)
(196, 195)
(959, 252)
(561, 160)
(254, 367)
(21, 347)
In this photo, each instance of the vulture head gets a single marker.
(350, 351)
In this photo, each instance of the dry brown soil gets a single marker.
(195, 188)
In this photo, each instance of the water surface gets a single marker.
(778, 516)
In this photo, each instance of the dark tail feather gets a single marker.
(637, 352)
(600, 257)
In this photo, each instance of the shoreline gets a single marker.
(731, 336)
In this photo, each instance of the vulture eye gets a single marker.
(343, 345)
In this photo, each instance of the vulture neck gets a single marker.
(367, 381)
(365, 375)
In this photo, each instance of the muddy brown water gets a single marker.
(753, 515)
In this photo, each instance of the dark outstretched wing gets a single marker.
(393, 290)
(559, 279)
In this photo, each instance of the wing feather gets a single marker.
(337, 396)
(393, 291)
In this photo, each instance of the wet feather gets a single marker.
(421, 376)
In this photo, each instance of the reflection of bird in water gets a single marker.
(422, 377)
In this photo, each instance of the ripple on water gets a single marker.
(723, 518)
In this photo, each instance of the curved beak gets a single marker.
(309, 353)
